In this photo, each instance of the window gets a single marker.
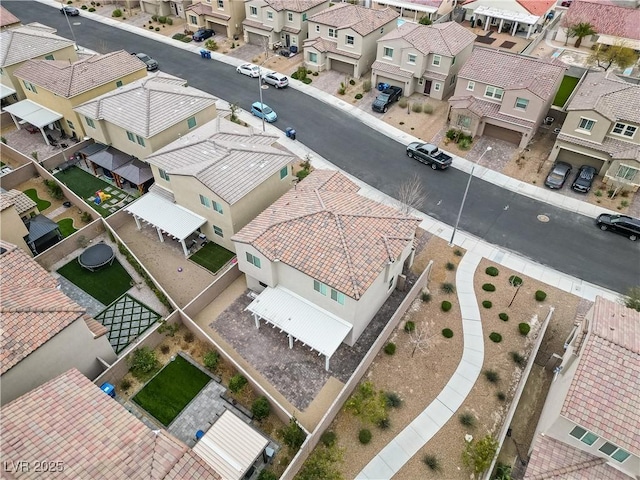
(471, 86)
(391, 283)
(49, 57)
(464, 121)
(253, 11)
(614, 452)
(349, 40)
(304, 17)
(521, 103)
(624, 130)
(217, 207)
(191, 122)
(583, 435)
(193, 20)
(289, 16)
(284, 171)
(626, 172)
(333, 33)
(387, 52)
(320, 287)
(221, 4)
(131, 136)
(317, 28)
(337, 296)
(253, 260)
(586, 124)
(30, 86)
(437, 59)
(453, 61)
(411, 58)
(205, 201)
(493, 92)
(452, 80)
(313, 57)
(140, 140)
(118, 83)
(70, 124)
(90, 122)
(163, 175)
(218, 231)
(382, 30)
(437, 86)
(269, 15)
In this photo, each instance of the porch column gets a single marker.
(160, 235)
(500, 26)
(44, 135)
(290, 341)
(184, 248)
(255, 317)
(15, 121)
(326, 362)
(514, 29)
(487, 19)
(415, 16)
(529, 30)
(137, 222)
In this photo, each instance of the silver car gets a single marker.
(276, 79)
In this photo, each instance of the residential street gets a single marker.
(568, 242)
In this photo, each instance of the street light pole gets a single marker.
(69, 23)
(260, 88)
(464, 197)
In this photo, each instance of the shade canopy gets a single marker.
(136, 172)
(31, 112)
(6, 91)
(110, 158)
(40, 227)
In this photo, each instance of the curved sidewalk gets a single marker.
(416, 435)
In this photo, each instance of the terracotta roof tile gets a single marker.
(537, 7)
(618, 149)
(380, 66)
(362, 20)
(18, 199)
(7, 18)
(606, 18)
(294, 5)
(70, 420)
(27, 42)
(257, 24)
(484, 108)
(199, 8)
(447, 38)
(324, 45)
(325, 229)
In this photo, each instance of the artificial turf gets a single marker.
(40, 203)
(85, 186)
(105, 285)
(171, 390)
(566, 89)
(66, 227)
(212, 256)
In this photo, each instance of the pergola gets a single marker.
(30, 112)
(412, 7)
(301, 320)
(165, 217)
(514, 18)
(6, 91)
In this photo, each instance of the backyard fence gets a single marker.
(68, 245)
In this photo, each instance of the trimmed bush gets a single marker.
(390, 348)
(358, 96)
(448, 287)
(409, 326)
(491, 376)
(315, 74)
(392, 399)
(524, 328)
(186, 39)
(351, 82)
(503, 316)
(157, 29)
(457, 252)
(306, 80)
(366, 86)
(328, 438)
(364, 436)
(540, 295)
(169, 21)
(492, 271)
(84, 7)
(402, 103)
(150, 27)
(91, 9)
(446, 306)
(178, 36)
(116, 13)
(518, 359)
(515, 280)
(487, 304)
(384, 423)
(416, 107)
(125, 384)
(450, 266)
(260, 408)
(237, 383)
(154, 18)
(162, 19)
(447, 333)
(489, 287)
(143, 360)
(467, 419)
(495, 337)
(501, 396)
(426, 297)
(428, 109)
(432, 462)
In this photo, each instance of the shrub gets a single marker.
(150, 27)
(487, 304)
(524, 328)
(479, 454)
(125, 384)
(165, 349)
(187, 39)
(447, 333)
(416, 107)
(489, 287)
(157, 29)
(457, 252)
(306, 80)
(426, 297)
(364, 436)
(294, 75)
(450, 266)
(154, 18)
(292, 435)
(116, 13)
(402, 103)
(540, 295)
(597, 193)
(464, 144)
(91, 9)
(328, 438)
(409, 326)
(351, 82)
(448, 287)
(384, 423)
(211, 360)
(392, 399)
(492, 376)
(492, 271)
(34, 155)
(54, 189)
(515, 280)
(495, 337)
(467, 419)
(358, 96)
(445, 306)
(84, 7)
(503, 316)
(260, 408)
(624, 203)
(315, 74)
(366, 86)
(211, 45)
(501, 396)
(86, 217)
(189, 337)
(143, 360)
(267, 475)
(390, 348)
(3, 140)
(428, 109)
(237, 383)
(178, 36)
(162, 19)
(169, 21)
(310, 71)
(432, 462)
(518, 359)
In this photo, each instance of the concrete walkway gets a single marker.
(415, 436)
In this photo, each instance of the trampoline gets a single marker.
(96, 256)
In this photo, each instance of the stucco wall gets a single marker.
(13, 229)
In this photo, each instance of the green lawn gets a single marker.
(33, 195)
(212, 256)
(171, 390)
(66, 227)
(105, 285)
(84, 185)
(566, 89)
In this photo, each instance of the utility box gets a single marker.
(108, 389)
(291, 133)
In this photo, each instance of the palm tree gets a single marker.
(581, 30)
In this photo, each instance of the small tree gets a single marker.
(425, 21)
(292, 435)
(237, 383)
(367, 403)
(479, 455)
(322, 464)
(260, 408)
(411, 195)
(604, 56)
(581, 30)
(234, 107)
(143, 360)
(169, 329)
(632, 298)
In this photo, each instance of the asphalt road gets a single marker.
(568, 242)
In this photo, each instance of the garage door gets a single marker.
(390, 81)
(577, 159)
(343, 67)
(502, 133)
(256, 39)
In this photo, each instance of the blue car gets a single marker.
(262, 110)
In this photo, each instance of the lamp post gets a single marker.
(464, 197)
(69, 23)
(260, 88)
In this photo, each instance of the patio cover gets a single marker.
(110, 158)
(408, 5)
(626, 42)
(301, 319)
(510, 15)
(6, 91)
(93, 148)
(136, 172)
(230, 446)
(31, 112)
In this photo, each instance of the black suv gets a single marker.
(584, 179)
(627, 226)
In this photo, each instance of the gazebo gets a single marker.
(43, 233)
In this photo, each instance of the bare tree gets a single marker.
(411, 195)
(264, 43)
(419, 339)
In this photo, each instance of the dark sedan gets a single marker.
(622, 224)
(202, 34)
(150, 62)
(584, 178)
(69, 10)
(558, 175)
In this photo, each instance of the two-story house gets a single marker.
(324, 259)
(344, 38)
(423, 58)
(590, 422)
(602, 129)
(60, 86)
(224, 17)
(414, 10)
(18, 45)
(223, 173)
(280, 21)
(504, 95)
(165, 8)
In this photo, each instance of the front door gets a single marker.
(427, 87)
(287, 39)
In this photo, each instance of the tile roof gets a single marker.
(24, 43)
(7, 18)
(70, 79)
(511, 71)
(18, 199)
(553, 460)
(327, 46)
(70, 420)
(609, 96)
(604, 396)
(362, 20)
(294, 5)
(537, 7)
(484, 108)
(229, 159)
(199, 8)
(618, 149)
(33, 309)
(148, 106)
(256, 24)
(606, 18)
(447, 39)
(384, 67)
(326, 230)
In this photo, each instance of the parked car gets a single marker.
(69, 10)
(262, 110)
(202, 34)
(151, 63)
(584, 179)
(623, 224)
(558, 175)
(249, 69)
(429, 154)
(566, 3)
(384, 100)
(276, 79)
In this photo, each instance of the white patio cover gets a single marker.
(303, 320)
(6, 91)
(230, 446)
(625, 42)
(172, 219)
(506, 15)
(408, 5)
(31, 112)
